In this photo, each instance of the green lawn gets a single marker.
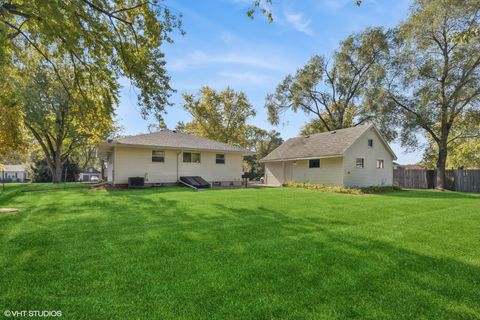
(241, 254)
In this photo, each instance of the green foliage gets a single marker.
(62, 114)
(111, 39)
(220, 116)
(41, 171)
(433, 80)
(338, 189)
(463, 147)
(339, 94)
(262, 142)
(264, 7)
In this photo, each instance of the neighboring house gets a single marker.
(356, 156)
(163, 157)
(14, 173)
(90, 174)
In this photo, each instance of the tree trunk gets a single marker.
(441, 165)
(57, 162)
(57, 170)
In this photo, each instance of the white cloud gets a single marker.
(200, 58)
(299, 23)
(246, 77)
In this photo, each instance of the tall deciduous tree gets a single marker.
(463, 148)
(262, 142)
(62, 119)
(111, 38)
(336, 94)
(220, 116)
(434, 79)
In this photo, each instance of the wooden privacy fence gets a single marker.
(467, 180)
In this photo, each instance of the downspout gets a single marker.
(178, 153)
(113, 165)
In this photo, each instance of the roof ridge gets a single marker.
(343, 129)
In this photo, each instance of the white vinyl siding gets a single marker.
(137, 162)
(369, 175)
(330, 172)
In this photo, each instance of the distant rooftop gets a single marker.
(14, 168)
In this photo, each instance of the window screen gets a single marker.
(359, 163)
(220, 158)
(379, 164)
(158, 156)
(191, 157)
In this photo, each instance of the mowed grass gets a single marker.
(241, 254)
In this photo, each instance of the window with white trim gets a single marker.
(380, 164)
(359, 163)
(191, 157)
(370, 142)
(158, 156)
(220, 158)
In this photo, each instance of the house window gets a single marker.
(359, 163)
(314, 163)
(158, 156)
(220, 158)
(370, 142)
(191, 157)
(379, 164)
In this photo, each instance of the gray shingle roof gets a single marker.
(172, 139)
(333, 143)
(13, 168)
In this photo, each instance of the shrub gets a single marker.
(338, 189)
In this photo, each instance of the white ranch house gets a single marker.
(352, 157)
(163, 157)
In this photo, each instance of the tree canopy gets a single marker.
(433, 80)
(62, 115)
(336, 94)
(220, 116)
(111, 39)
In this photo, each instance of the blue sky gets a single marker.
(222, 47)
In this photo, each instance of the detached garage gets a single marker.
(352, 157)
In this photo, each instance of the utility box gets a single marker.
(136, 182)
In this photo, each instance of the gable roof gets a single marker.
(174, 140)
(326, 144)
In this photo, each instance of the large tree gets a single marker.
(434, 80)
(464, 150)
(336, 94)
(62, 115)
(108, 39)
(264, 7)
(262, 142)
(218, 115)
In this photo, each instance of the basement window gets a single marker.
(220, 158)
(314, 163)
(359, 163)
(158, 156)
(191, 157)
(380, 164)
